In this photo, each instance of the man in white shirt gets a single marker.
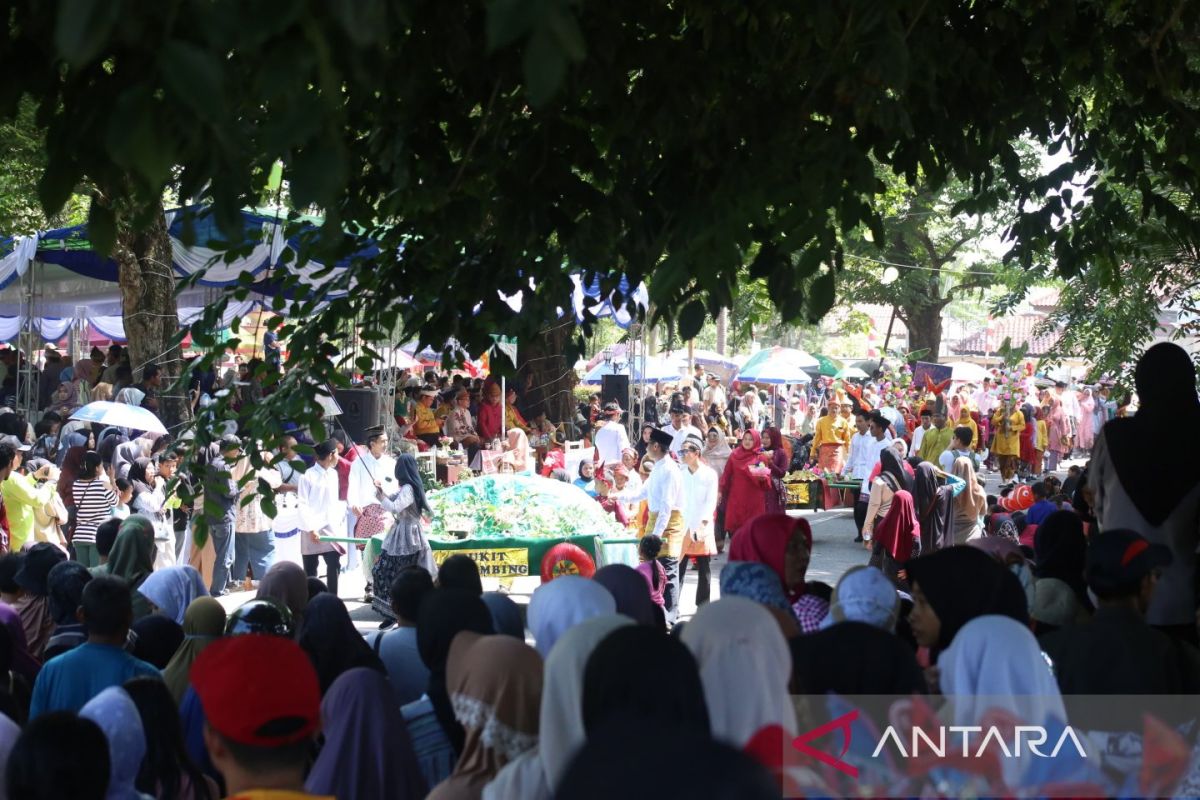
(371, 470)
(870, 445)
(699, 511)
(663, 493)
(918, 435)
(681, 428)
(611, 438)
(858, 464)
(984, 400)
(714, 395)
(322, 514)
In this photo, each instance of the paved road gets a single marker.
(834, 551)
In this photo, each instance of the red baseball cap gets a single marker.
(258, 690)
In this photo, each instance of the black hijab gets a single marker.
(332, 642)
(629, 588)
(889, 464)
(616, 695)
(137, 475)
(1168, 411)
(935, 512)
(444, 614)
(962, 583)
(1060, 551)
(158, 637)
(854, 658)
(407, 474)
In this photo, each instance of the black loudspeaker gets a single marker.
(615, 388)
(360, 411)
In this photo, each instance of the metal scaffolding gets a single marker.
(28, 341)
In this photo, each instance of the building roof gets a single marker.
(1018, 329)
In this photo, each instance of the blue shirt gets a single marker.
(435, 754)
(69, 681)
(406, 671)
(1038, 512)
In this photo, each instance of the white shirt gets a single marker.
(662, 491)
(867, 451)
(611, 439)
(948, 457)
(985, 401)
(678, 436)
(918, 436)
(714, 395)
(699, 496)
(364, 471)
(319, 505)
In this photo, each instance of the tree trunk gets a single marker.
(722, 330)
(148, 306)
(924, 325)
(553, 378)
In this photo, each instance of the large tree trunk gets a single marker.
(148, 305)
(554, 378)
(924, 325)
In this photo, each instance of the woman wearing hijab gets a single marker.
(405, 544)
(155, 639)
(516, 450)
(953, 586)
(132, 559)
(34, 604)
(892, 478)
(536, 774)
(1085, 436)
(632, 595)
(995, 664)
(782, 543)
(496, 685)
(757, 582)
(564, 602)
(332, 642)
(716, 449)
(171, 590)
(203, 624)
(744, 484)
(167, 770)
(444, 614)
(745, 667)
(1161, 501)
(1060, 558)
(1059, 428)
(896, 538)
(286, 583)
(367, 753)
(970, 505)
(779, 458)
(117, 715)
(934, 502)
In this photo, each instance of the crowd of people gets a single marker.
(127, 678)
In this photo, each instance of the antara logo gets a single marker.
(1032, 736)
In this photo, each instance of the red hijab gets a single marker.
(765, 539)
(899, 527)
(741, 458)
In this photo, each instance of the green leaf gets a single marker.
(545, 67)
(196, 76)
(363, 20)
(82, 28)
(57, 183)
(566, 31)
(691, 320)
(102, 228)
(508, 21)
(821, 296)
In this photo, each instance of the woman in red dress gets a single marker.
(744, 483)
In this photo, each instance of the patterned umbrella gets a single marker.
(829, 364)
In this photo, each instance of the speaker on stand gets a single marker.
(360, 411)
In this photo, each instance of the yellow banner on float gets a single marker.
(509, 562)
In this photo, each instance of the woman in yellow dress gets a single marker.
(1008, 422)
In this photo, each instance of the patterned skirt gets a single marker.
(386, 568)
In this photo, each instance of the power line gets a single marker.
(917, 266)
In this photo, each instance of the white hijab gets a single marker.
(745, 666)
(563, 603)
(535, 774)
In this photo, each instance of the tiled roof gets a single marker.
(1018, 329)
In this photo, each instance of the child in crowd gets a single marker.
(648, 551)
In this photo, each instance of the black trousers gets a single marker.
(860, 512)
(333, 566)
(671, 589)
(703, 577)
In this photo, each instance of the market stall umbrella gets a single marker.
(828, 365)
(966, 371)
(649, 370)
(851, 374)
(121, 415)
(778, 365)
(705, 358)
